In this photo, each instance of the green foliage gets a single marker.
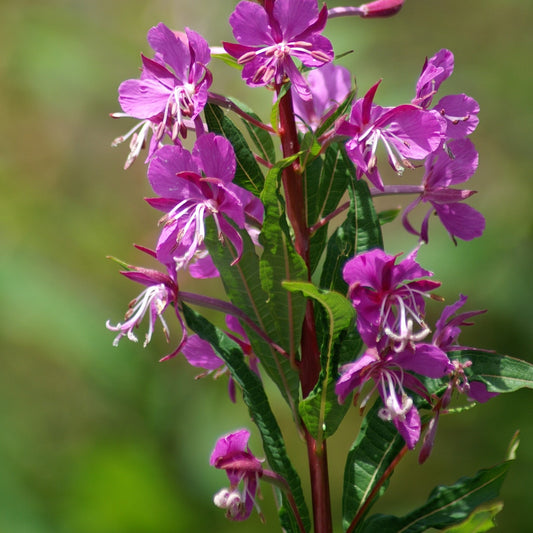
(320, 411)
(280, 262)
(446, 505)
(261, 138)
(248, 174)
(255, 398)
(482, 519)
(359, 232)
(243, 285)
(375, 448)
(501, 373)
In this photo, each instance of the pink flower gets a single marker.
(270, 36)
(233, 455)
(447, 167)
(171, 91)
(459, 110)
(329, 86)
(407, 132)
(193, 187)
(389, 298)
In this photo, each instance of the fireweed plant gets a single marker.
(317, 307)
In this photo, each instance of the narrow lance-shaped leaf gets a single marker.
(446, 505)
(321, 411)
(242, 284)
(361, 231)
(261, 138)
(501, 373)
(248, 174)
(377, 445)
(325, 190)
(257, 402)
(482, 519)
(279, 262)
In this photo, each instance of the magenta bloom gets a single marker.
(161, 291)
(329, 86)
(388, 298)
(193, 187)
(172, 88)
(459, 110)
(233, 455)
(387, 370)
(407, 131)
(200, 353)
(271, 36)
(445, 168)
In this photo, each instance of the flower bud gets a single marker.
(381, 8)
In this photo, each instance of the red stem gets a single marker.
(292, 180)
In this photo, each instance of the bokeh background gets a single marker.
(101, 439)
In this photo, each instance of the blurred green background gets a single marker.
(101, 439)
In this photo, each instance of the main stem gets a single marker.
(292, 180)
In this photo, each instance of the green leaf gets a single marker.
(248, 175)
(360, 232)
(321, 411)
(501, 373)
(446, 505)
(341, 110)
(257, 402)
(274, 114)
(324, 192)
(482, 519)
(261, 138)
(229, 60)
(375, 448)
(280, 262)
(387, 216)
(242, 283)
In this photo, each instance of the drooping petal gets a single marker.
(409, 427)
(199, 353)
(461, 220)
(461, 113)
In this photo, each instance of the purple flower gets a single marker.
(445, 168)
(388, 298)
(329, 86)
(459, 110)
(172, 89)
(200, 353)
(448, 326)
(387, 370)
(270, 36)
(193, 187)
(233, 455)
(407, 131)
(445, 337)
(161, 291)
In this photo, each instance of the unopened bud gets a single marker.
(381, 8)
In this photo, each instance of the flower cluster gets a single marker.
(213, 187)
(389, 298)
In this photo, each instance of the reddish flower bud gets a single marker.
(381, 8)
